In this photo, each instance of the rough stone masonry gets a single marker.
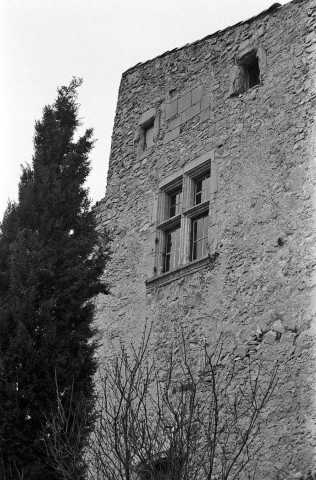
(211, 205)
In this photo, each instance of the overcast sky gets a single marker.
(44, 43)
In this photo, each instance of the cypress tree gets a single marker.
(51, 260)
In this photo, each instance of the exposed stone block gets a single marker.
(171, 109)
(156, 127)
(205, 115)
(146, 116)
(269, 338)
(174, 122)
(278, 326)
(197, 94)
(190, 113)
(205, 102)
(184, 102)
(262, 55)
(200, 160)
(241, 351)
(236, 76)
(172, 135)
(244, 46)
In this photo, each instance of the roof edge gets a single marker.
(274, 7)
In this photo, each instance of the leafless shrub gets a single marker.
(65, 433)
(178, 421)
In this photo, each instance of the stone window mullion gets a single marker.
(212, 235)
(185, 239)
(187, 192)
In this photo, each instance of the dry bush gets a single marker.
(178, 421)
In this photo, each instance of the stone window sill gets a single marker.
(189, 268)
(145, 153)
(250, 92)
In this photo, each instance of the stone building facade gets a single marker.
(211, 204)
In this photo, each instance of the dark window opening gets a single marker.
(199, 237)
(172, 250)
(158, 470)
(162, 469)
(245, 74)
(252, 73)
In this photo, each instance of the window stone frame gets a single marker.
(186, 177)
(238, 75)
(147, 119)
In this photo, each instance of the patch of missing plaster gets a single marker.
(268, 336)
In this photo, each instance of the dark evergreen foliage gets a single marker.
(51, 260)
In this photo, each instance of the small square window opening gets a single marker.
(245, 74)
(252, 76)
(251, 71)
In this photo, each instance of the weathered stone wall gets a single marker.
(259, 284)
